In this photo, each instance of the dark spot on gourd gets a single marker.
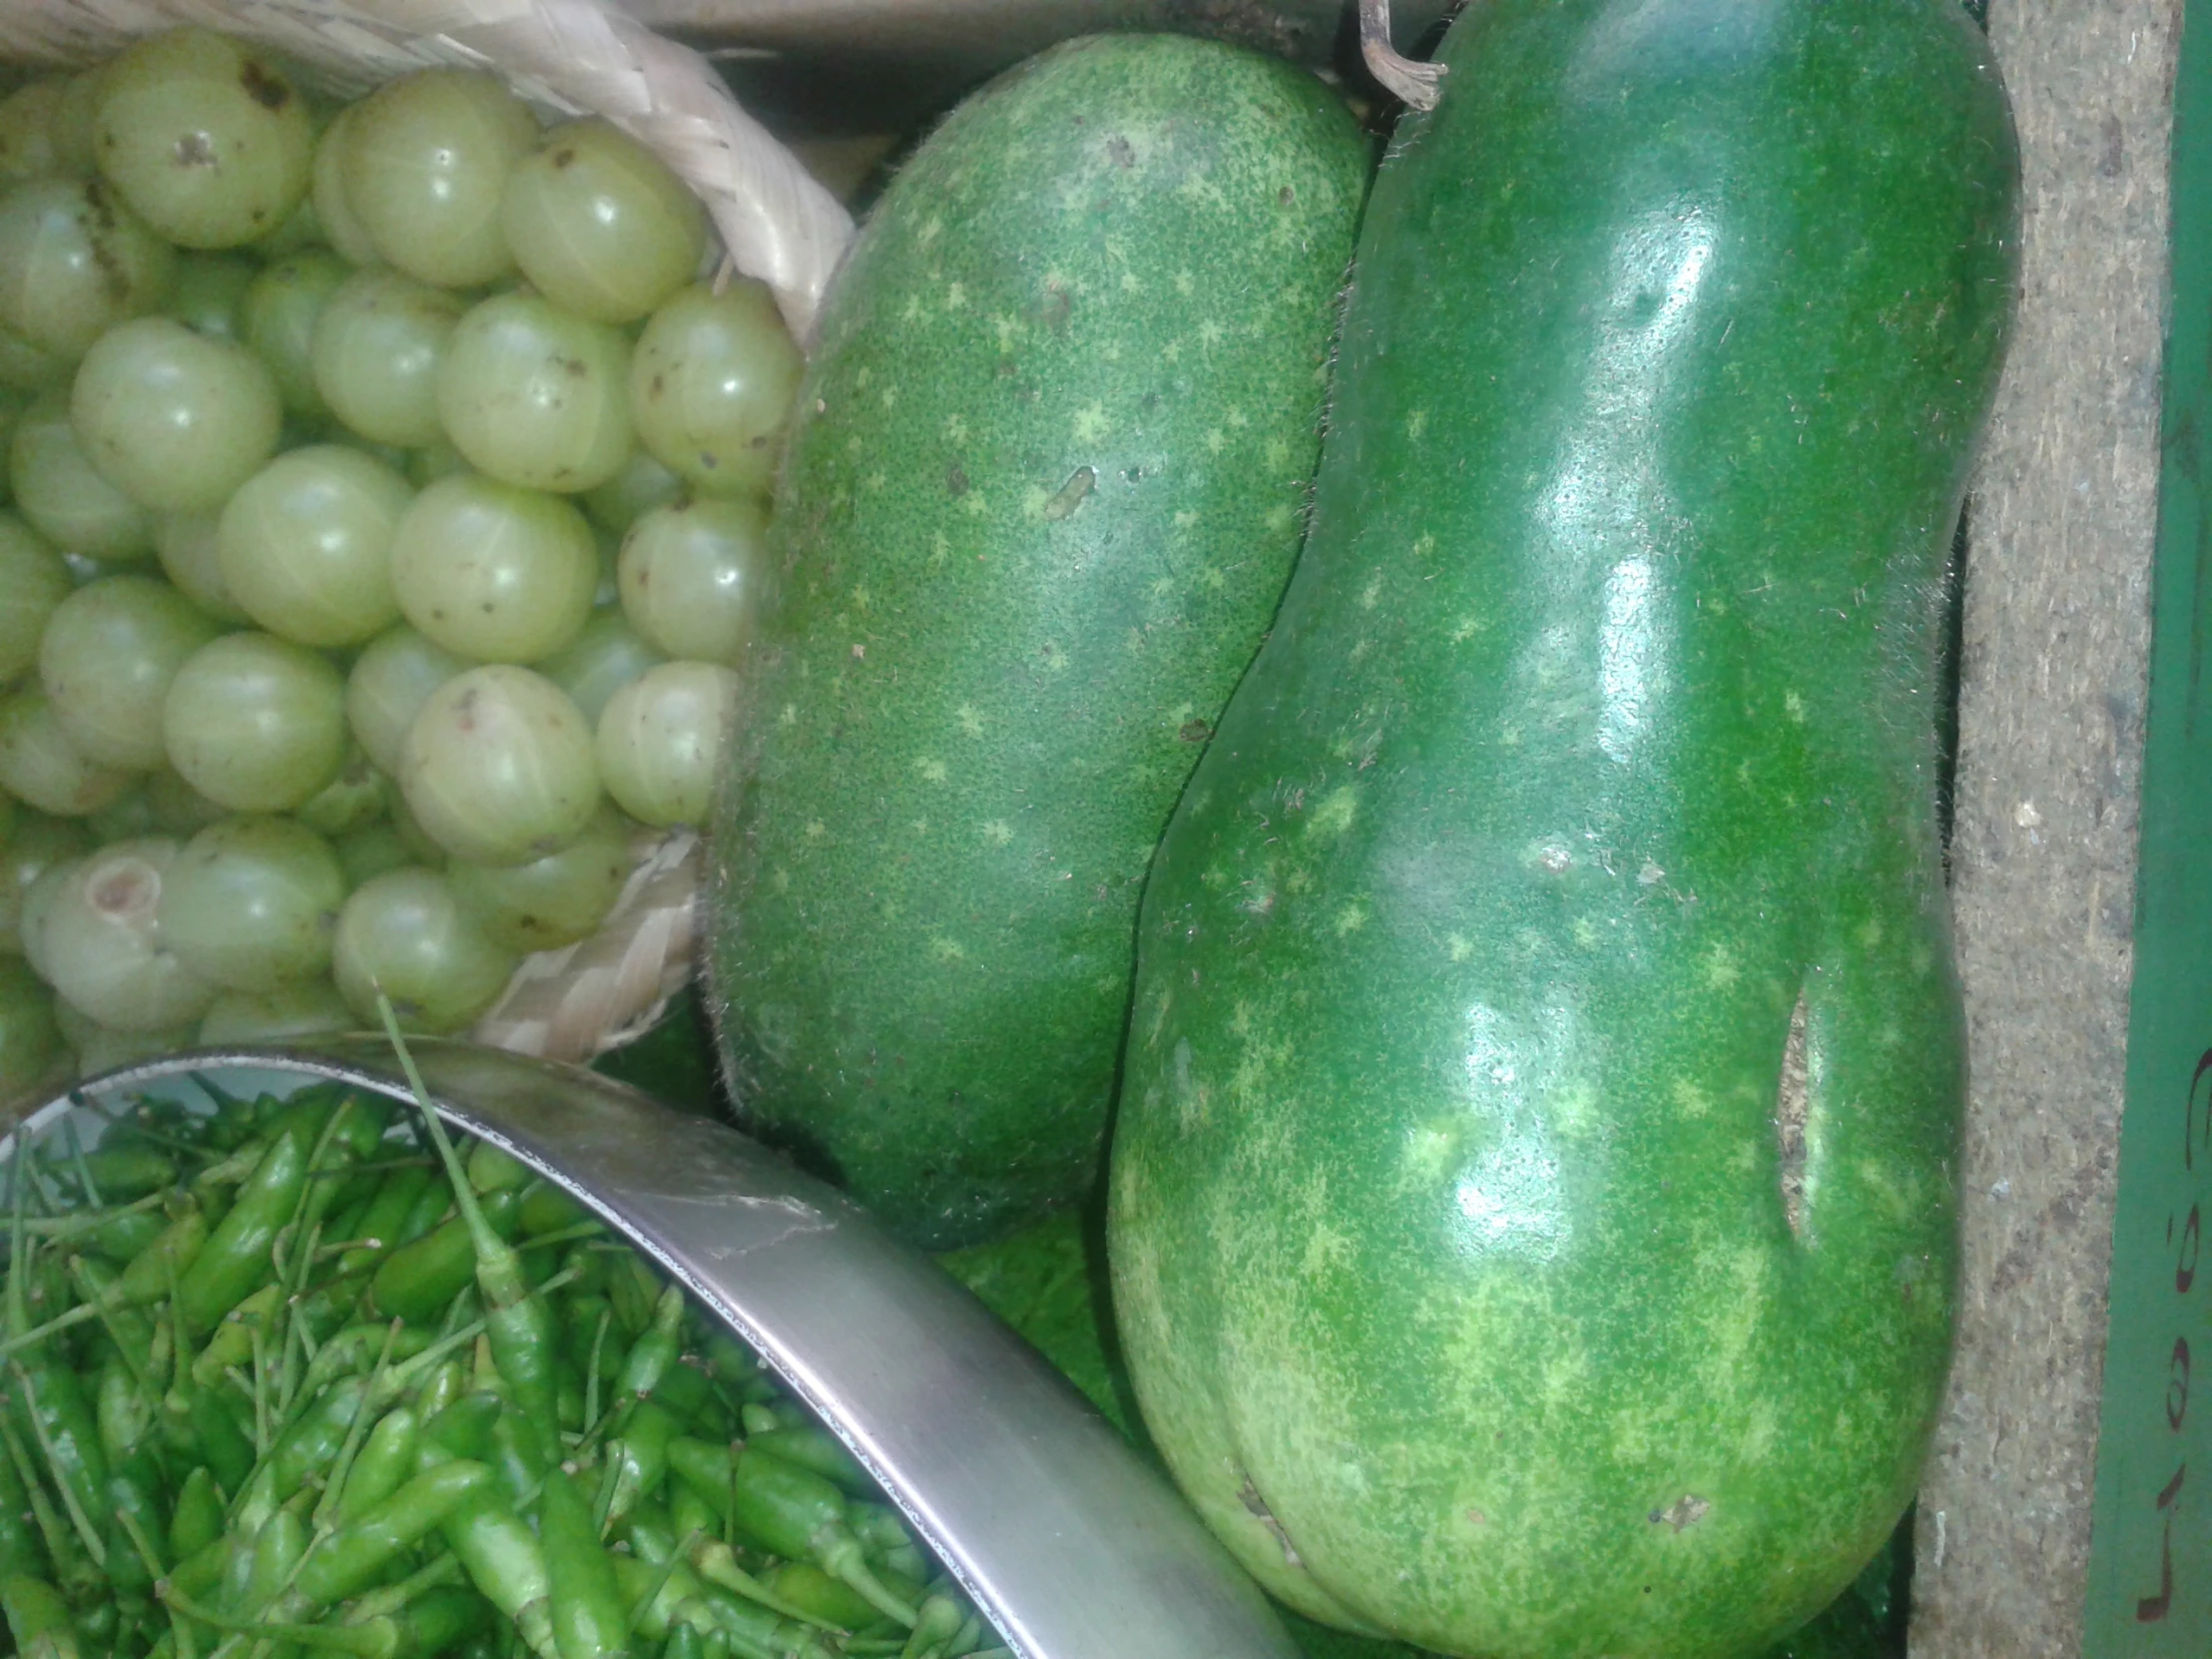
(574, 368)
(193, 150)
(654, 385)
(955, 479)
(1257, 1505)
(1080, 484)
(1684, 1511)
(1286, 195)
(264, 88)
(1195, 730)
(564, 157)
(1053, 311)
(1121, 151)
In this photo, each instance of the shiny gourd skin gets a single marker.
(1041, 495)
(1594, 740)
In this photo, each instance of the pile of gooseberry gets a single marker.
(383, 510)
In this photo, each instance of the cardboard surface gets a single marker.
(2051, 712)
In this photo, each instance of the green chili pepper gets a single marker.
(196, 1517)
(278, 1549)
(654, 1353)
(121, 1169)
(813, 1447)
(795, 1513)
(236, 1256)
(123, 1408)
(124, 1233)
(653, 1591)
(418, 1279)
(833, 1601)
(685, 1390)
(548, 1208)
(350, 1559)
(39, 1617)
(134, 1491)
(590, 1617)
(22, 1551)
(384, 1217)
(385, 1463)
(640, 1455)
(506, 1562)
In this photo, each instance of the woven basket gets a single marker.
(566, 58)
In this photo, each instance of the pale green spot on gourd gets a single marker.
(1326, 1248)
(1360, 650)
(1417, 424)
(998, 832)
(1423, 545)
(1009, 331)
(931, 769)
(861, 597)
(875, 481)
(1691, 1100)
(1334, 816)
(1279, 519)
(1238, 419)
(1351, 919)
(940, 548)
(956, 429)
(920, 827)
(1721, 970)
(1920, 961)
(889, 398)
(912, 312)
(1465, 630)
(1793, 705)
(781, 880)
(1185, 283)
(1585, 932)
(1432, 1151)
(788, 714)
(1458, 949)
(1184, 518)
(1171, 352)
(816, 830)
(1279, 452)
(1034, 499)
(1216, 440)
(946, 949)
(1091, 424)
(1057, 658)
(1214, 577)
(1371, 594)
(1210, 332)
(1130, 282)
(970, 721)
(1870, 933)
(956, 296)
(974, 504)
(931, 229)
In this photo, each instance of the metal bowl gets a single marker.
(1063, 1537)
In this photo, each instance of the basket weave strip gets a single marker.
(569, 57)
(599, 994)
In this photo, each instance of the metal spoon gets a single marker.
(1066, 1540)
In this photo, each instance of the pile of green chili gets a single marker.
(299, 1376)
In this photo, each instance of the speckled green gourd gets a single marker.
(1463, 1277)
(1043, 490)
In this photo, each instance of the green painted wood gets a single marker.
(2151, 1562)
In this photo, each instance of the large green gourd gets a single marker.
(1042, 494)
(1574, 827)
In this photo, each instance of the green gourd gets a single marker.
(1043, 489)
(1534, 1196)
